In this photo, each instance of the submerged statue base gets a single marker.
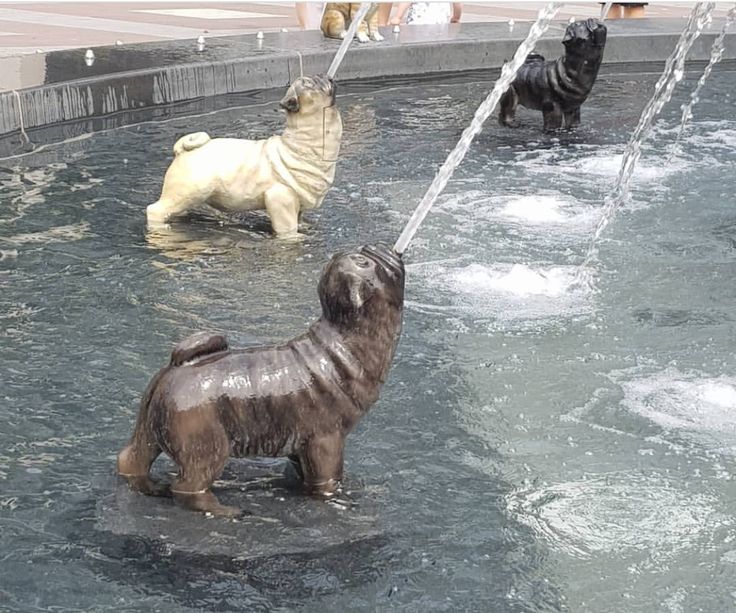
(299, 400)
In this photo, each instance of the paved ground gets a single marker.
(28, 26)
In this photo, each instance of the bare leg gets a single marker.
(509, 102)
(282, 206)
(322, 462)
(384, 12)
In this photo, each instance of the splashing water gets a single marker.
(508, 73)
(716, 55)
(673, 72)
(349, 35)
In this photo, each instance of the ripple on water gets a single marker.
(508, 293)
(533, 211)
(56, 234)
(699, 409)
(583, 162)
(618, 514)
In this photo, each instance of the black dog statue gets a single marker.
(558, 88)
(299, 399)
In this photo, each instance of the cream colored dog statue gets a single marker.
(284, 174)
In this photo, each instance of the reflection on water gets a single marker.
(537, 447)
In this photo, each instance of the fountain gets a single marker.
(579, 453)
(346, 42)
(672, 74)
(508, 73)
(716, 54)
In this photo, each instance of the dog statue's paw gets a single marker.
(377, 37)
(362, 37)
(156, 214)
(342, 34)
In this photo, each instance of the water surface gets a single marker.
(534, 449)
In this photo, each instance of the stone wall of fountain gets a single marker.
(152, 75)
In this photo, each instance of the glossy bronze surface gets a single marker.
(299, 399)
(559, 87)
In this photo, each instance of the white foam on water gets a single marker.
(618, 514)
(587, 164)
(535, 209)
(519, 280)
(700, 409)
(503, 292)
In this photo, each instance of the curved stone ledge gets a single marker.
(61, 88)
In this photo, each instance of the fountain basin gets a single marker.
(534, 448)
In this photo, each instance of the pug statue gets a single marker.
(284, 174)
(558, 88)
(299, 399)
(337, 18)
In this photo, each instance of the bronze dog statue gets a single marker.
(299, 399)
(558, 88)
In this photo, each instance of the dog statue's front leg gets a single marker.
(509, 102)
(322, 461)
(552, 116)
(282, 206)
(572, 118)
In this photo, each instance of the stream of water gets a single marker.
(716, 55)
(349, 35)
(508, 74)
(673, 72)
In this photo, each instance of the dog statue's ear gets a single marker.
(569, 34)
(290, 102)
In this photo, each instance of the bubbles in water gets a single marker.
(535, 209)
(521, 280)
(617, 514)
(509, 293)
(581, 163)
(698, 408)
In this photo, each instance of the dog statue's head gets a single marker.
(585, 38)
(309, 95)
(363, 286)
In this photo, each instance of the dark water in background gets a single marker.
(533, 449)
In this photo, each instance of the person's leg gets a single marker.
(301, 13)
(384, 13)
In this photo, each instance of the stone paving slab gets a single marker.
(29, 26)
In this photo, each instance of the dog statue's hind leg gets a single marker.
(191, 489)
(136, 458)
(177, 197)
(282, 206)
